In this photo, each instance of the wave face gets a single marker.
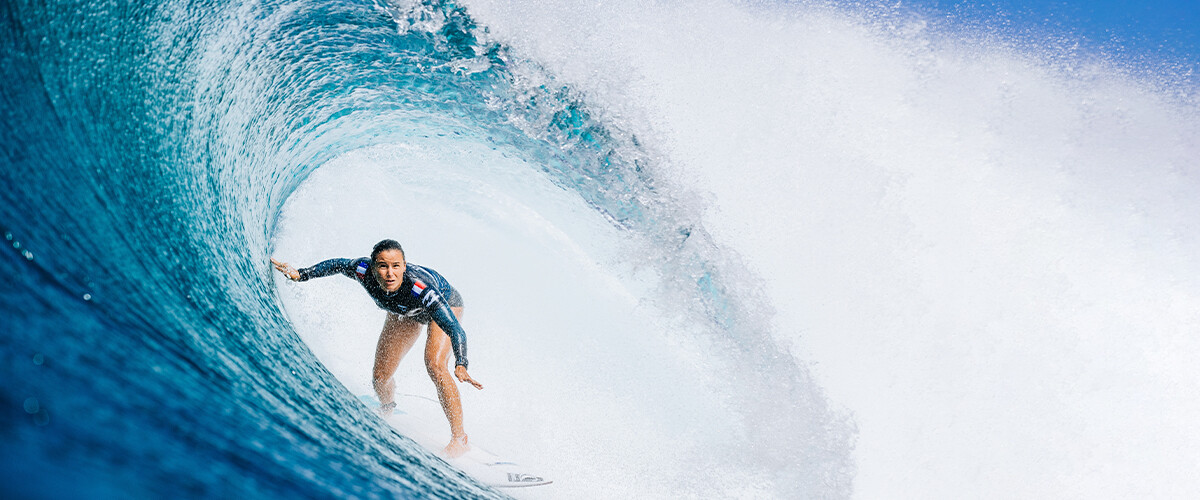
(664, 220)
(149, 150)
(983, 239)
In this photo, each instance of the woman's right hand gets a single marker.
(286, 269)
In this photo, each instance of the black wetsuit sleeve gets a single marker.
(444, 317)
(326, 268)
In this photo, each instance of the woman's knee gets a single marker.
(437, 370)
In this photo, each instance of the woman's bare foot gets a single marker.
(386, 410)
(458, 445)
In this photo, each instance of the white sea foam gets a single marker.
(988, 253)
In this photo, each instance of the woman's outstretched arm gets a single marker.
(322, 269)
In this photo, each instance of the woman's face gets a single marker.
(389, 268)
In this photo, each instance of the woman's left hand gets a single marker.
(460, 371)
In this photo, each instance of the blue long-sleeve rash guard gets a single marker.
(424, 295)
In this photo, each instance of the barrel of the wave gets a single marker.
(417, 297)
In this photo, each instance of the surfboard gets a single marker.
(421, 419)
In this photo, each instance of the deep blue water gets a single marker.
(147, 151)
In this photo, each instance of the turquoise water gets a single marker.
(714, 249)
(149, 149)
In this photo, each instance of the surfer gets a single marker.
(413, 296)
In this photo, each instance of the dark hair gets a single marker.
(386, 245)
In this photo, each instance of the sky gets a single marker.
(1166, 29)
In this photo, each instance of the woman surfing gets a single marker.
(413, 296)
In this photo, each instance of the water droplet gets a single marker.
(28, 255)
(17, 244)
(87, 296)
(32, 406)
(38, 359)
(8, 236)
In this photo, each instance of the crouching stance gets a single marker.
(413, 296)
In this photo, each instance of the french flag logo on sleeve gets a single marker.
(361, 270)
(417, 288)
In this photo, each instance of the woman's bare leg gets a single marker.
(437, 354)
(398, 336)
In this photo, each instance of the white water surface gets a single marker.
(987, 254)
